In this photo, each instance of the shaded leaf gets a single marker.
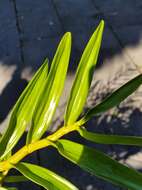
(110, 139)
(114, 99)
(53, 88)
(83, 77)
(15, 178)
(44, 177)
(99, 164)
(23, 110)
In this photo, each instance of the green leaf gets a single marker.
(99, 164)
(8, 155)
(83, 77)
(110, 139)
(8, 188)
(114, 99)
(44, 177)
(15, 178)
(23, 111)
(54, 86)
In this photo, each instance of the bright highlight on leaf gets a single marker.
(44, 177)
(23, 110)
(53, 88)
(99, 164)
(83, 77)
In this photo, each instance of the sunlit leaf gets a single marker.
(44, 177)
(114, 99)
(23, 110)
(110, 139)
(99, 164)
(53, 89)
(83, 77)
(8, 155)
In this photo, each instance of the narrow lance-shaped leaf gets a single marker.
(83, 77)
(53, 88)
(114, 99)
(23, 110)
(44, 177)
(101, 165)
(110, 139)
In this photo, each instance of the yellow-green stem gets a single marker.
(28, 149)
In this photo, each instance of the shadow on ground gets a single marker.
(50, 158)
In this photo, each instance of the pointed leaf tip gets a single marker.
(102, 23)
(83, 77)
(114, 99)
(53, 88)
(68, 35)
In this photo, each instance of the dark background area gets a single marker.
(30, 31)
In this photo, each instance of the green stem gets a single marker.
(6, 165)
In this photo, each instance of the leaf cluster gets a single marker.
(35, 109)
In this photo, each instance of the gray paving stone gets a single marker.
(9, 42)
(132, 42)
(124, 18)
(77, 19)
(35, 51)
(10, 58)
(73, 14)
(82, 21)
(130, 35)
(121, 13)
(37, 19)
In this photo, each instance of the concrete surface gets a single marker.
(30, 31)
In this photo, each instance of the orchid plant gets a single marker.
(35, 109)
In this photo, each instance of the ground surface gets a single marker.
(30, 31)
